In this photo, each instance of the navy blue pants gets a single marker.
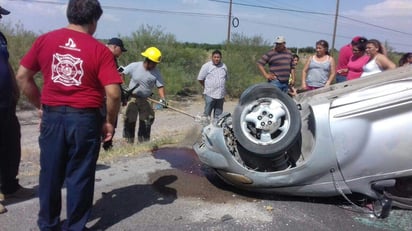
(10, 150)
(69, 148)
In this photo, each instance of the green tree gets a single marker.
(181, 62)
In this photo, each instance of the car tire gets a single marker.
(266, 121)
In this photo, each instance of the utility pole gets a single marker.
(229, 22)
(334, 28)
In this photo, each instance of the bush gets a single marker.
(181, 62)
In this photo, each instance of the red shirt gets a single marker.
(344, 55)
(75, 68)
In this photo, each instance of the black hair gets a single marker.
(295, 56)
(83, 12)
(217, 52)
(404, 58)
(360, 44)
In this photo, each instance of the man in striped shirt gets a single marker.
(281, 66)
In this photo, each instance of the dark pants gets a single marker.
(143, 134)
(69, 147)
(10, 150)
(138, 108)
(340, 78)
(215, 105)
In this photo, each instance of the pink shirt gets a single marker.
(75, 68)
(355, 66)
(344, 55)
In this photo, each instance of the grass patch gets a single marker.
(123, 149)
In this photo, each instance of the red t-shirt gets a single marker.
(75, 68)
(344, 55)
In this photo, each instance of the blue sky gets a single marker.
(302, 22)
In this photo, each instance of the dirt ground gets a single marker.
(168, 123)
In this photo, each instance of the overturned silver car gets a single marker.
(352, 137)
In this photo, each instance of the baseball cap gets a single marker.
(117, 42)
(3, 11)
(356, 39)
(280, 39)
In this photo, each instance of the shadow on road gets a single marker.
(13, 200)
(121, 203)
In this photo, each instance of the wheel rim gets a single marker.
(265, 121)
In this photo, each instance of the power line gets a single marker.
(275, 8)
(135, 9)
(370, 24)
(312, 12)
(221, 15)
(310, 31)
(224, 16)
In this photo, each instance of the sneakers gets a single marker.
(2, 209)
(21, 193)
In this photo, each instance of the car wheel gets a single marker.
(266, 122)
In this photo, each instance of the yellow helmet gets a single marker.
(153, 54)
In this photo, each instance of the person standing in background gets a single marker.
(344, 55)
(319, 70)
(78, 71)
(10, 147)
(117, 48)
(378, 61)
(406, 59)
(358, 59)
(280, 63)
(212, 76)
(295, 61)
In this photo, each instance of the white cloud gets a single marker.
(389, 8)
(389, 20)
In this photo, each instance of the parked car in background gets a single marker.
(352, 137)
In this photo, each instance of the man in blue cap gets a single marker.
(117, 48)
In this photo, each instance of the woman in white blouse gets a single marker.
(378, 61)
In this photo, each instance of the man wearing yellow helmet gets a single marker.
(144, 77)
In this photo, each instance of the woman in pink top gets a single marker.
(357, 60)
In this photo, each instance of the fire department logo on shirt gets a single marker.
(67, 70)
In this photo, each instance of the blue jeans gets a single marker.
(215, 105)
(69, 147)
(282, 86)
(340, 78)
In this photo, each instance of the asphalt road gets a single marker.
(170, 190)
